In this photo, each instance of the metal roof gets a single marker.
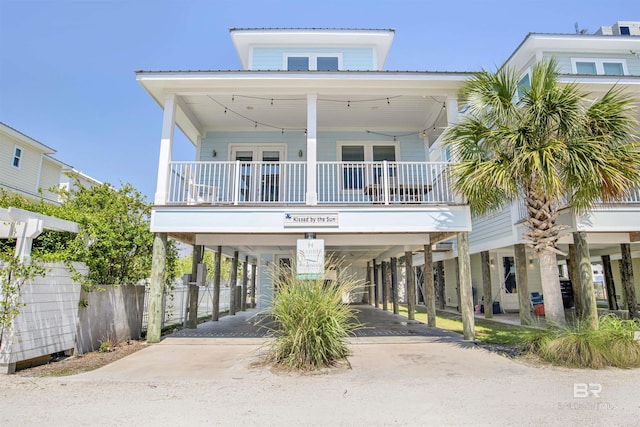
(308, 29)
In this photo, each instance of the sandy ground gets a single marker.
(392, 381)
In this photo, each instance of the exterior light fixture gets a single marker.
(300, 153)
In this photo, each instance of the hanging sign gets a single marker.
(310, 259)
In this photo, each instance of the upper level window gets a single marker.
(17, 157)
(624, 31)
(314, 62)
(298, 63)
(524, 84)
(607, 67)
(327, 63)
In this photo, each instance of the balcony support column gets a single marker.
(166, 147)
(312, 119)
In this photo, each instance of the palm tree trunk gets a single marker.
(553, 308)
(626, 273)
(608, 280)
(522, 283)
(587, 291)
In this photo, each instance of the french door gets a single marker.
(260, 171)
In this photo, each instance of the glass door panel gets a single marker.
(270, 176)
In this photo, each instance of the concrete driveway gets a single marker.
(412, 379)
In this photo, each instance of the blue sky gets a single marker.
(66, 66)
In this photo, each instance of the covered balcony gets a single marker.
(285, 183)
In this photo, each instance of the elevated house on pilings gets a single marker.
(597, 62)
(312, 137)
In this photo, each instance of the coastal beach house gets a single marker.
(597, 62)
(30, 170)
(312, 138)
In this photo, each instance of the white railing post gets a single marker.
(385, 181)
(236, 184)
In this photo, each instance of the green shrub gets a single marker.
(311, 322)
(612, 344)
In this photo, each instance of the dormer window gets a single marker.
(313, 62)
(595, 66)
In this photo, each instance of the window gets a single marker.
(612, 68)
(327, 63)
(313, 62)
(624, 31)
(353, 175)
(586, 67)
(298, 63)
(17, 157)
(524, 84)
(607, 67)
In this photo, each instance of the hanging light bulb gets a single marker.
(388, 101)
(305, 132)
(283, 131)
(233, 98)
(348, 104)
(271, 101)
(256, 125)
(225, 110)
(424, 133)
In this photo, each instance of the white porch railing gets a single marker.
(384, 183)
(237, 183)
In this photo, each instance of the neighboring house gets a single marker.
(597, 62)
(311, 138)
(30, 170)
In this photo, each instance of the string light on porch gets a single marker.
(339, 101)
(282, 129)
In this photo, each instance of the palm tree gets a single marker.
(549, 144)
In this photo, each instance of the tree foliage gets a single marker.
(114, 239)
(552, 145)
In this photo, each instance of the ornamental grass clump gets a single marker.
(580, 346)
(311, 322)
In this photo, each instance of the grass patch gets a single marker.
(311, 323)
(577, 346)
(487, 331)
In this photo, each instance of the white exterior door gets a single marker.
(260, 173)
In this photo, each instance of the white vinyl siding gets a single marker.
(25, 177)
(49, 177)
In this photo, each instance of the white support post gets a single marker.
(166, 147)
(25, 232)
(452, 118)
(312, 193)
